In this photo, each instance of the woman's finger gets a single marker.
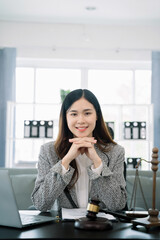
(85, 139)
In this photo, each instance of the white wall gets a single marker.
(78, 41)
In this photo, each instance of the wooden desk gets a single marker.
(66, 230)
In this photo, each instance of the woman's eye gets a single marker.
(73, 114)
(88, 113)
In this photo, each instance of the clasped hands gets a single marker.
(81, 146)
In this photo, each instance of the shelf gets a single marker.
(19, 149)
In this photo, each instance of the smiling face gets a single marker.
(81, 118)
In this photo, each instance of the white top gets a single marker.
(83, 184)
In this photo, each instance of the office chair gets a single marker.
(125, 165)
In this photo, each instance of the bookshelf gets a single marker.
(21, 151)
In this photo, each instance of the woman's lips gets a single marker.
(82, 129)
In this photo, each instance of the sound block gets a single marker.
(145, 222)
(137, 214)
(98, 223)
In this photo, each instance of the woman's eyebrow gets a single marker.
(72, 110)
(88, 109)
(84, 110)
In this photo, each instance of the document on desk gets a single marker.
(75, 213)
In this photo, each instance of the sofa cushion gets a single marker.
(23, 185)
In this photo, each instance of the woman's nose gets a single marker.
(81, 118)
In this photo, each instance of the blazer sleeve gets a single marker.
(110, 187)
(50, 182)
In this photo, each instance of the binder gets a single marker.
(135, 130)
(49, 129)
(128, 130)
(34, 133)
(27, 128)
(110, 126)
(142, 134)
(42, 129)
(132, 162)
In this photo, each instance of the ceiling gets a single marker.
(76, 11)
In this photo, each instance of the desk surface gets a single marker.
(66, 230)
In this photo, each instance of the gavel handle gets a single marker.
(116, 214)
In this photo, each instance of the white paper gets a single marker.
(75, 213)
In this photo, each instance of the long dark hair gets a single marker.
(101, 132)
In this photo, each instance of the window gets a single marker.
(112, 86)
(50, 81)
(38, 97)
(142, 87)
(121, 86)
(25, 85)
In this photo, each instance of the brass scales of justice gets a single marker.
(152, 220)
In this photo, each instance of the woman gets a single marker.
(84, 159)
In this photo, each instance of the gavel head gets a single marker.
(92, 209)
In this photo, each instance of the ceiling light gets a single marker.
(91, 8)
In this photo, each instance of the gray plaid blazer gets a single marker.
(109, 187)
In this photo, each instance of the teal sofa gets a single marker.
(23, 183)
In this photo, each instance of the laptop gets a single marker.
(9, 214)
